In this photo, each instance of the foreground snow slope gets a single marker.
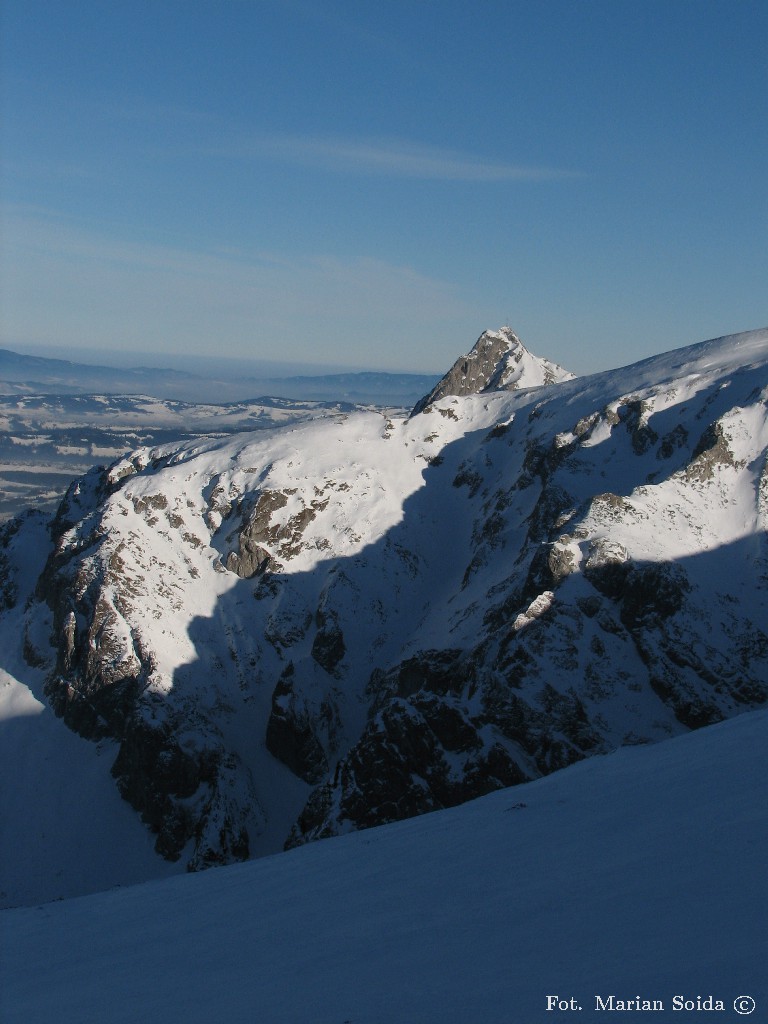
(65, 830)
(638, 873)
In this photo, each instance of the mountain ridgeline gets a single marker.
(296, 633)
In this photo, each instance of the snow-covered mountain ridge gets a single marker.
(47, 440)
(297, 633)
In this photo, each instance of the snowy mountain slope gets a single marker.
(65, 829)
(47, 439)
(294, 634)
(636, 874)
(58, 417)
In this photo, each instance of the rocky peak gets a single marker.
(498, 360)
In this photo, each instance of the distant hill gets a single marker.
(26, 374)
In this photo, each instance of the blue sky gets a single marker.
(372, 184)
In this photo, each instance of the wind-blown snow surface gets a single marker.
(641, 873)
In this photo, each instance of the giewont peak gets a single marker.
(498, 360)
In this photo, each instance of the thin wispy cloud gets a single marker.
(397, 158)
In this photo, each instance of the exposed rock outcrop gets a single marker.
(291, 732)
(498, 359)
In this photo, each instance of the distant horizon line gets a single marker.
(123, 359)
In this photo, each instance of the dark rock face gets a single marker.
(426, 748)
(642, 434)
(435, 671)
(711, 451)
(652, 593)
(155, 776)
(291, 736)
(181, 793)
(8, 587)
(328, 647)
(98, 670)
(415, 756)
